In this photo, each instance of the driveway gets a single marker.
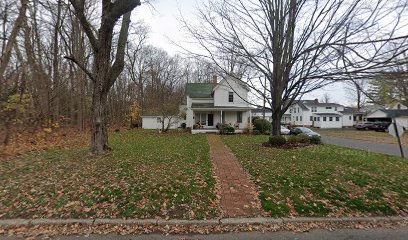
(390, 149)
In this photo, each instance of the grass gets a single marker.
(147, 175)
(370, 136)
(324, 180)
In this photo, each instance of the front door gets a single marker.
(210, 120)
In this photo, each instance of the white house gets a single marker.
(212, 103)
(259, 112)
(322, 115)
(155, 122)
(384, 115)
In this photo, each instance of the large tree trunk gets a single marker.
(55, 65)
(104, 74)
(99, 140)
(276, 119)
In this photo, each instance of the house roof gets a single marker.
(301, 105)
(350, 110)
(200, 90)
(314, 103)
(398, 112)
(211, 105)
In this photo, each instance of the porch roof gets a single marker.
(210, 106)
(327, 114)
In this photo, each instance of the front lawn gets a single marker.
(147, 175)
(324, 180)
(370, 136)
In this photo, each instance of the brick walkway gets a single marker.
(239, 197)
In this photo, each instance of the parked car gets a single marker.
(307, 131)
(380, 126)
(284, 130)
(364, 125)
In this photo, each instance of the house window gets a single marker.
(328, 107)
(300, 118)
(331, 119)
(399, 107)
(298, 110)
(311, 118)
(231, 97)
(297, 118)
(158, 120)
(337, 119)
(324, 119)
(314, 109)
(318, 119)
(349, 117)
(335, 108)
(239, 117)
(223, 117)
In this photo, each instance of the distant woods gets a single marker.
(48, 61)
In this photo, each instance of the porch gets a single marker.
(206, 120)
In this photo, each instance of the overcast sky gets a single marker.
(165, 28)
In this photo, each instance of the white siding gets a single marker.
(222, 91)
(298, 115)
(348, 120)
(151, 122)
(328, 123)
(403, 121)
(377, 114)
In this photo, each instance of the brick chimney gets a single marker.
(215, 79)
(316, 100)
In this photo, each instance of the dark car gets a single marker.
(380, 126)
(364, 125)
(307, 131)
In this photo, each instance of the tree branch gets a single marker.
(80, 13)
(81, 66)
(119, 63)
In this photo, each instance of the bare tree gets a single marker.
(292, 47)
(8, 47)
(357, 90)
(326, 98)
(104, 74)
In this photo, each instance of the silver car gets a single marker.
(307, 131)
(284, 130)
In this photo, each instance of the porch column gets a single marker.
(221, 117)
(250, 117)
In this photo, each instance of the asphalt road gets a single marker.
(318, 234)
(390, 149)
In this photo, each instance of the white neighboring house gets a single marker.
(259, 112)
(212, 103)
(323, 115)
(155, 122)
(383, 115)
(315, 114)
